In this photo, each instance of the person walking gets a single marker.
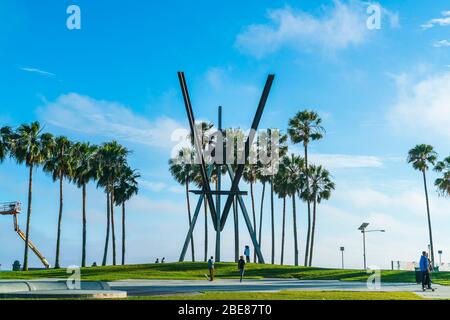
(241, 267)
(425, 268)
(211, 268)
(247, 253)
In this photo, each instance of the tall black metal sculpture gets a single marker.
(219, 218)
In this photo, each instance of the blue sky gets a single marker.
(379, 92)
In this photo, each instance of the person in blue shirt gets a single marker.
(425, 265)
(247, 253)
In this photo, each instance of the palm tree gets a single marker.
(59, 165)
(235, 139)
(320, 189)
(126, 187)
(111, 158)
(31, 147)
(281, 189)
(83, 171)
(5, 141)
(197, 179)
(203, 129)
(263, 178)
(292, 170)
(182, 171)
(272, 170)
(443, 184)
(421, 156)
(303, 128)
(250, 176)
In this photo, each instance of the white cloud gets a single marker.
(401, 202)
(422, 106)
(345, 161)
(441, 43)
(152, 186)
(159, 186)
(442, 21)
(341, 26)
(109, 119)
(145, 206)
(341, 161)
(39, 71)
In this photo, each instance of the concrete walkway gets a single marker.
(52, 288)
(56, 288)
(166, 287)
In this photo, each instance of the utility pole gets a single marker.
(363, 230)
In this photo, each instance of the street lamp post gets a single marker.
(342, 256)
(363, 230)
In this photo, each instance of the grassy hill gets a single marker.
(197, 270)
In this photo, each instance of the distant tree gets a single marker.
(84, 170)
(182, 170)
(5, 141)
(304, 127)
(31, 147)
(250, 176)
(272, 168)
(320, 189)
(421, 157)
(280, 187)
(59, 165)
(443, 183)
(125, 188)
(207, 141)
(111, 158)
(291, 172)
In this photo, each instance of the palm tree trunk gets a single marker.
(58, 235)
(188, 202)
(236, 230)
(254, 217)
(123, 233)
(273, 220)
(313, 231)
(105, 252)
(27, 231)
(295, 230)
(309, 206)
(283, 230)
(113, 229)
(429, 217)
(261, 216)
(205, 204)
(83, 253)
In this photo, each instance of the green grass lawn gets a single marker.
(289, 295)
(192, 271)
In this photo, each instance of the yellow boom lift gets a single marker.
(13, 208)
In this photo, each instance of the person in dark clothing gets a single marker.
(241, 267)
(211, 268)
(425, 268)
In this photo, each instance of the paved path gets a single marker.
(164, 287)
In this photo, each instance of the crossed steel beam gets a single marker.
(219, 223)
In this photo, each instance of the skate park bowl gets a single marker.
(57, 289)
